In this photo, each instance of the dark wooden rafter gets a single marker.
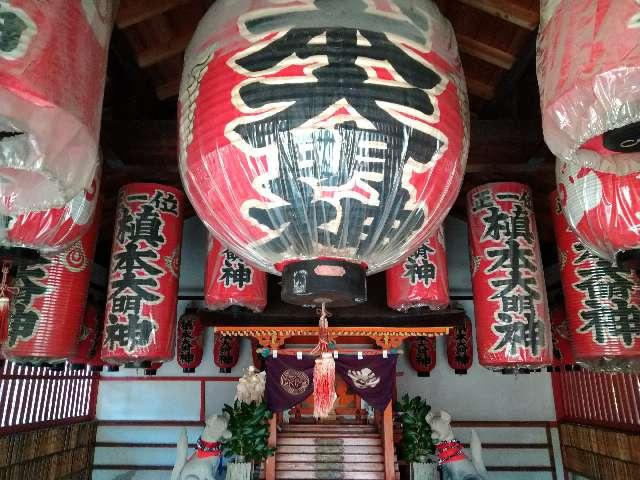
(506, 10)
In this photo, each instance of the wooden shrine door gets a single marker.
(347, 409)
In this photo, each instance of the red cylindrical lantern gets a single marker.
(509, 295)
(422, 355)
(602, 302)
(89, 341)
(421, 279)
(460, 347)
(226, 352)
(47, 308)
(230, 281)
(190, 340)
(562, 355)
(53, 61)
(323, 141)
(140, 315)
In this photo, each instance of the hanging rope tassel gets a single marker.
(324, 371)
(4, 302)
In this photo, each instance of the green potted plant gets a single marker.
(249, 442)
(416, 446)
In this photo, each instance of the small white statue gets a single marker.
(251, 386)
(204, 463)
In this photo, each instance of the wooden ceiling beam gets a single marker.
(480, 89)
(137, 11)
(485, 52)
(506, 10)
(159, 53)
(168, 90)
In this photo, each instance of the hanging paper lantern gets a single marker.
(421, 279)
(422, 355)
(89, 342)
(190, 340)
(323, 141)
(48, 303)
(602, 208)
(258, 360)
(230, 281)
(460, 347)
(140, 314)
(562, 355)
(509, 295)
(226, 352)
(53, 59)
(602, 302)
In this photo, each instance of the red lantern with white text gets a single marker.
(190, 341)
(460, 347)
(230, 281)
(323, 141)
(226, 352)
(53, 61)
(422, 355)
(509, 295)
(421, 279)
(602, 302)
(47, 308)
(89, 341)
(140, 314)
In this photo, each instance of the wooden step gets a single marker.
(330, 449)
(329, 428)
(330, 475)
(286, 439)
(316, 466)
(327, 435)
(327, 458)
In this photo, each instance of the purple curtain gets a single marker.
(289, 381)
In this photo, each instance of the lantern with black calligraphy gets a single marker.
(460, 347)
(421, 279)
(230, 281)
(323, 141)
(509, 295)
(53, 59)
(562, 355)
(89, 342)
(602, 302)
(140, 314)
(47, 308)
(257, 358)
(190, 340)
(422, 355)
(226, 352)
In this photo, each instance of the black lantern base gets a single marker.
(20, 256)
(629, 259)
(424, 374)
(139, 364)
(336, 283)
(113, 368)
(460, 371)
(624, 139)
(188, 370)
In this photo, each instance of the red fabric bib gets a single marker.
(449, 452)
(208, 449)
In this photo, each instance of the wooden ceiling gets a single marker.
(496, 39)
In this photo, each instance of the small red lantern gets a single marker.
(602, 302)
(140, 316)
(226, 352)
(89, 341)
(47, 308)
(421, 279)
(230, 281)
(460, 347)
(562, 355)
(53, 62)
(190, 340)
(509, 294)
(422, 355)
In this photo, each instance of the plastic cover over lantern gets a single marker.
(140, 314)
(323, 139)
(509, 294)
(602, 302)
(421, 279)
(53, 59)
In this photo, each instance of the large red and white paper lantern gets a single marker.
(509, 295)
(140, 314)
(422, 355)
(89, 342)
(53, 59)
(230, 281)
(421, 279)
(323, 141)
(460, 347)
(47, 307)
(226, 352)
(602, 302)
(190, 341)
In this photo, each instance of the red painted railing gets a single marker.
(595, 398)
(35, 397)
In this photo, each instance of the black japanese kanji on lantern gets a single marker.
(460, 347)
(226, 352)
(422, 355)
(190, 340)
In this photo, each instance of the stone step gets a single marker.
(329, 475)
(317, 466)
(288, 439)
(328, 458)
(330, 449)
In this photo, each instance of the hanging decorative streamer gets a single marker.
(140, 314)
(509, 294)
(421, 279)
(324, 372)
(230, 281)
(460, 347)
(602, 302)
(226, 352)
(422, 355)
(190, 341)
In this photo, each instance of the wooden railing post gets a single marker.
(270, 463)
(387, 433)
